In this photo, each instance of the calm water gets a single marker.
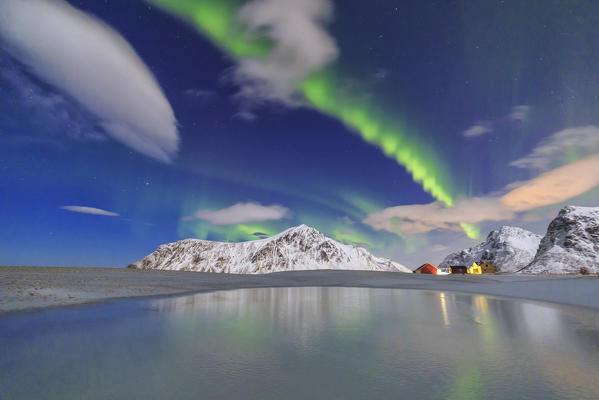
(303, 343)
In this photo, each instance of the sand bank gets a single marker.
(23, 288)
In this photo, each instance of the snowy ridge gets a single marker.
(571, 243)
(509, 249)
(298, 248)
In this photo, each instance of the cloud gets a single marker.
(478, 129)
(241, 213)
(438, 247)
(245, 115)
(89, 210)
(560, 147)
(93, 64)
(301, 45)
(347, 220)
(519, 113)
(200, 94)
(552, 187)
(555, 186)
(45, 115)
(380, 75)
(420, 218)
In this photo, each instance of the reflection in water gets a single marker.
(298, 312)
(444, 308)
(304, 343)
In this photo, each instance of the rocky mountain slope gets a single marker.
(298, 248)
(509, 249)
(571, 243)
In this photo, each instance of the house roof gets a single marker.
(426, 265)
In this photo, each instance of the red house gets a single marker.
(426, 269)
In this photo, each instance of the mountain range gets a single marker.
(297, 248)
(570, 245)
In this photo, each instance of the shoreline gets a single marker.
(26, 289)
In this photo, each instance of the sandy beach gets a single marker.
(26, 288)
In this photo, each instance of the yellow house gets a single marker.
(475, 269)
(487, 267)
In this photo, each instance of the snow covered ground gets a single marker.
(37, 287)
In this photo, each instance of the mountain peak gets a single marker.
(579, 211)
(302, 229)
(510, 234)
(510, 230)
(571, 243)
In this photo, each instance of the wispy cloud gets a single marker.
(555, 186)
(245, 115)
(97, 67)
(561, 147)
(89, 210)
(552, 187)
(46, 116)
(438, 247)
(380, 75)
(241, 213)
(519, 113)
(200, 94)
(420, 218)
(346, 220)
(478, 129)
(301, 45)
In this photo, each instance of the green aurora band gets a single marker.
(321, 90)
(217, 19)
(348, 233)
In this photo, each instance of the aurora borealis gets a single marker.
(217, 20)
(408, 127)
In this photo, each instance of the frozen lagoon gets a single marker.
(305, 342)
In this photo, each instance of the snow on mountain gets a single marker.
(298, 248)
(509, 249)
(571, 243)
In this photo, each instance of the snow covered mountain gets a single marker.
(298, 248)
(571, 242)
(509, 249)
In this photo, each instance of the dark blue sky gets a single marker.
(478, 84)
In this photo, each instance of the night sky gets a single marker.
(411, 128)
